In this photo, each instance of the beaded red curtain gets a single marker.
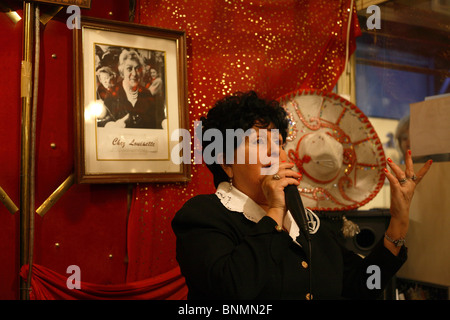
(270, 46)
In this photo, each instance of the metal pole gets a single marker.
(26, 93)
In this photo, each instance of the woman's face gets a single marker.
(132, 73)
(106, 80)
(153, 73)
(263, 153)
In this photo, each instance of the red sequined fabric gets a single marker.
(270, 46)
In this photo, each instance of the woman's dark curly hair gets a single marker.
(243, 110)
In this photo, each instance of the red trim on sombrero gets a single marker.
(346, 191)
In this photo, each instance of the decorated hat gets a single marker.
(335, 148)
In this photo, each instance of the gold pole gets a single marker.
(6, 200)
(56, 195)
(26, 93)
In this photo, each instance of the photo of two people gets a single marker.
(130, 82)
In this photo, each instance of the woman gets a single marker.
(241, 243)
(106, 79)
(133, 106)
(154, 83)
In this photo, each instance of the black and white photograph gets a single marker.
(132, 82)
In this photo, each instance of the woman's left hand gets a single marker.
(273, 189)
(403, 184)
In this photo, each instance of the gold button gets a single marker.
(304, 264)
(278, 228)
(309, 296)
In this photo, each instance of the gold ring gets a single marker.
(276, 177)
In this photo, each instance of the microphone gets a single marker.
(295, 205)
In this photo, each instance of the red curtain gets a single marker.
(271, 46)
(49, 285)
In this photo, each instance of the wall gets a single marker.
(88, 224)
(9, 153)
(428, 237)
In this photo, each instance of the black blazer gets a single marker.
(223, 255)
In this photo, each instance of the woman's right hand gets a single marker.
(119, 123)
(273, 189)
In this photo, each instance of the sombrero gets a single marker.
(333, 144)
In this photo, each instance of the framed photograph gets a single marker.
(130, 102)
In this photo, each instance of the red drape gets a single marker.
(49, 285)
(271, 46)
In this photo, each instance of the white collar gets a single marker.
(235, 200)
